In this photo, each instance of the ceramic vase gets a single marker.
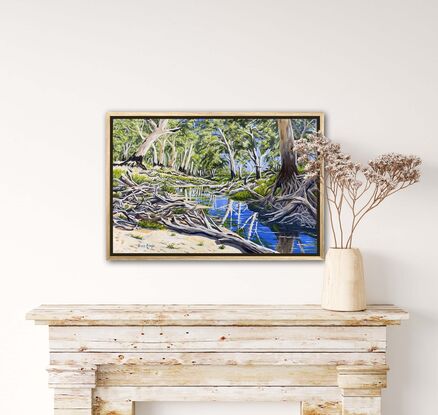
(344, 284)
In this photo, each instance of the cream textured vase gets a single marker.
(344, 285)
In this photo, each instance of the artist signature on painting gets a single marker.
(146, 246)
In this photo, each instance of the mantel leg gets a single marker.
(73, 401)
(321, 408)
(361, 389)
(361, 405)
(101, 407)
(73, 386)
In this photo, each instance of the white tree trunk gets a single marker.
(230, 154)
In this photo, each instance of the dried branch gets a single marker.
(362, 188)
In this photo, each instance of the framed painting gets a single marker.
(211, 186)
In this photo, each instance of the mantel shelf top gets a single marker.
(212, 315)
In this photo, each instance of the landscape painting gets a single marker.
(211, 186)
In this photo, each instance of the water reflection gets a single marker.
(238, 217)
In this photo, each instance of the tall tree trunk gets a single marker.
(257, 163)
(253, 153)
(159, 130)
(257, 172)
(173, 155)
(125, 149)
(188, 159)
(162, 152)
(154, 155)
(183, 159)
(287, 177)
(230, 154)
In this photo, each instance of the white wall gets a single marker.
(371, 66)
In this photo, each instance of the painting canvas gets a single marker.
(211, 186)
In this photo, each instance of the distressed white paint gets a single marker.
(216, 358)
(174, 362)
(219, 315)
(211, 339)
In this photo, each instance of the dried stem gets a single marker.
(361, 188)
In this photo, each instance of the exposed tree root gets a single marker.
(296, 208)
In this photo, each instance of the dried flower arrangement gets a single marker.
(348, 184)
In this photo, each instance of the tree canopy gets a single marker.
(208, 147)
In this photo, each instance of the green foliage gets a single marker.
(262, 189)
(168, 188)
(222, 176)
(221, 246)
(268, 181)
(264, 185)
(178, 211)
(302, 127)
(206, 147)
(301, 169)
(242, 195)
(126, 137)
(118, 172)
(141, 178)
(136, 236)
(186, 179)
(150, 224)
(171, 246)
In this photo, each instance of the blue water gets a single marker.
(238, 217)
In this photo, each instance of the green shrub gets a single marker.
(268, 181)
(150, 224)
(262, 189)
(242, 195)
(178, 177)
(301, 169)
(118, 172)
(167, 188)
(140, 178)
(264, 185)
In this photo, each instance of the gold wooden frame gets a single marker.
(207, 257)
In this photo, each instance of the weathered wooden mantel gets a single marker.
(103, 358)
